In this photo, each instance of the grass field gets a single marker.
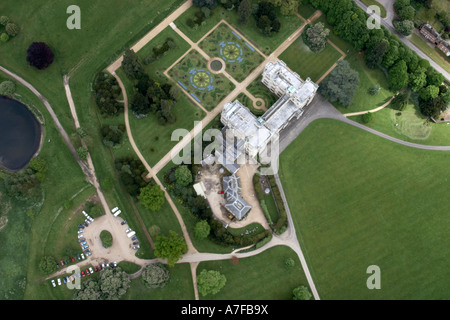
(312, 65)
(409, 125)
(255, 279)
(376, 3)
(359, 200)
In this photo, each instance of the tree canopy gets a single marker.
(40, 55)
(316, 37)
(341, 84)
(152, 197)
(170, 247)
(155, 275)
(210, 282)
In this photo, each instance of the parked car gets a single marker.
(87, 221)
(59, 281)
(78, 256)
(91, 270)
(136, 247)
(87, 250)
(81, 226)
(57, 265)
(81, 240)
(90, 218)
(61, 262)
(89, 253)
(80, 236)
(72, 259)
(53, 283)
(83, 274)
(83, 243)
(82, 256)
(84, 247)
(80, 231)
(134, 238)
(72, 278)
(123, 222)
(85, 224)
(136, 242)
(99, 267)
(87, 272)
(128, 230)
(66, 262)
(103, 265)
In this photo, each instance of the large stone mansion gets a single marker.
(251, 135)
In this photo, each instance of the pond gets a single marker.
(20, 134)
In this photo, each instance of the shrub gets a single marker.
(4, 37)
(155, 275)
(7, 88)
(106, 238)
(4, 20)
(367, 117)
(12, 29)
(40, 55)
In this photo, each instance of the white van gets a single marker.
(114, 209)
(130, 234)
(117, 213)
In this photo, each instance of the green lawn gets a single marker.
(368, 78)
(358, 200)
(409, 125)
(307, 63)
(259, 90)
(179, 287)
(255, 279)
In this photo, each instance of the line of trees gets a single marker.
(385, 51)
(106, 93)
(149, 95)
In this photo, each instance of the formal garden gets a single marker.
(192, 74)
(239, 56)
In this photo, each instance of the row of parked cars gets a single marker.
(82, 273)
(130, 233)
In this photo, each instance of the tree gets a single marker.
(374, 55)
(301, 293)
(400, 101)
(432, 107)
(155, 275)
(7, 88)
(341, 84)
(244, 11)
(152, 197)
(4, 37)
(39, 55)
(47, 265)
(183, 175)
(112, 284)
(289, 263)
(210, 4)
(4, 20)
(202, 230)
(400, 4)
(82, 153)
(210, 282)
(316, 37)
(406, 13)
(398, 75)
(404, 27)
(139, 104)
(12, 29)
(170, 247)
(434, 78)
(367, 117)
(288, 7)
(429, 92)
(132, 65)
(417, 79)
